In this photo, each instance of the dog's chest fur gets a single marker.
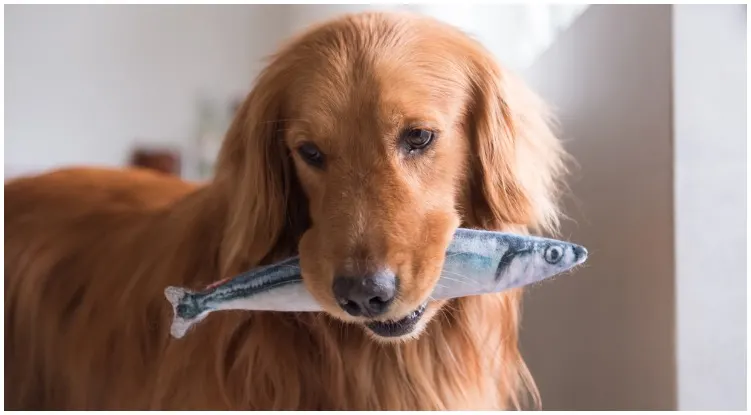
(311, 362)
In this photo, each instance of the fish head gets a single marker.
(536, 259)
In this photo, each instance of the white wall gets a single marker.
(84, 83)
(603, 337)
(709, 89)
(516, 34)
(298, 17)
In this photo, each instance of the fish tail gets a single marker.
(185, 310)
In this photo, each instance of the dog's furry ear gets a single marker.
(516, 161)
(267, 209)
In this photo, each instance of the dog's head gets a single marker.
(365, 143)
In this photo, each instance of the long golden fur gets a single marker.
(88, 252)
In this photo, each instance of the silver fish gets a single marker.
(477, 262)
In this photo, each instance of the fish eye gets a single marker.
(553, 254)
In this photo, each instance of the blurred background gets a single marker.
(651, 101)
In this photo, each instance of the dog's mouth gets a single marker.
(397, 328)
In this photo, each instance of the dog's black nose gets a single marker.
(368, 296)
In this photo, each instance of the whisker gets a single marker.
(461, 280)
(464, 277)
(444, 277)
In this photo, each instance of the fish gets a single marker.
(477, 262)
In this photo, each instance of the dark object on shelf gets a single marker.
(165, 160)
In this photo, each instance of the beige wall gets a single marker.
(652, 103)
(603, 338)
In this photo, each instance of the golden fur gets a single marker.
(88, 252)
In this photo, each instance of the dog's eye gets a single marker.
(417, 138)
(311, 154)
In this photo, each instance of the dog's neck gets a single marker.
(203, 216)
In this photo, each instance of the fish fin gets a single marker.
(174, 296)
(180, 325)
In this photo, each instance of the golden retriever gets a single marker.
(364, 144)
